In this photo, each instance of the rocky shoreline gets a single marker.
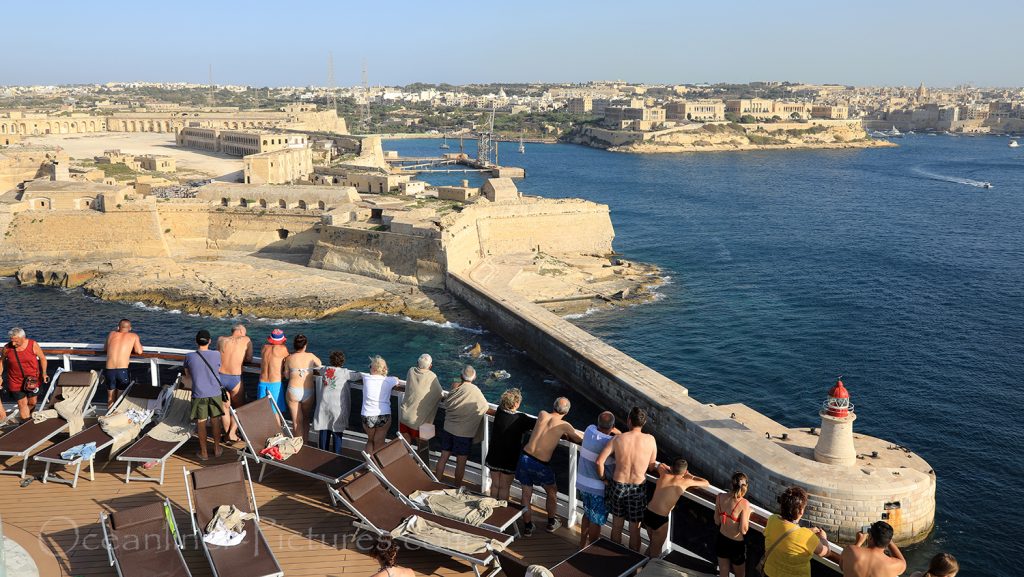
(239, 285)
(659, 148)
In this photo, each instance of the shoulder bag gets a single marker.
(768, 551)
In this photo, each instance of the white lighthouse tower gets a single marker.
(835, 445)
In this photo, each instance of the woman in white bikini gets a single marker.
(299, 367)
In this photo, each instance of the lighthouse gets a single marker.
(835, 445)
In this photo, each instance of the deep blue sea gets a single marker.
(889, 266)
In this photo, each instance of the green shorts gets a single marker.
(207, 408)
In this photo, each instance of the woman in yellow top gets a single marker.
(791, 557)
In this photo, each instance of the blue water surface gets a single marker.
(892, 267)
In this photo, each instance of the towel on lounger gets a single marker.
(71, 408)
(125, 424)
(176, 424)
(458, 505)
(445, 538)
(280, 447)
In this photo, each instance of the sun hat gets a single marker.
(276, 337)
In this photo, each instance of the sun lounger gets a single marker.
(258, 422)
(379, 511)
(164, 439)
(209, 488)
(23, 440)
(134, 397)
(143, 542)
(403, 472)
(602, 557)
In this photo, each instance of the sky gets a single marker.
(282, 43)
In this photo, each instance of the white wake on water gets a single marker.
(953, 179)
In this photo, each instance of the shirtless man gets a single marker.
(272, 358)
(122, 343)
(867, 557)
(533, 468)
(235, 350)
(626, 496)
(672, 483)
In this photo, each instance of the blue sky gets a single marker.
(898, 42)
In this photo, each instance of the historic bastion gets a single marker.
(309, 251)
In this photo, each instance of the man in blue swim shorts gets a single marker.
(271, 360)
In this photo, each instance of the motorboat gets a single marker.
(1013, 144)
(986, 185)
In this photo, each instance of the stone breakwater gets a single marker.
(724, 137)
(898, 487)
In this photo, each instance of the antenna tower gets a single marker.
(364, 114)
(211, 97)
(485, 142)
(331, 99)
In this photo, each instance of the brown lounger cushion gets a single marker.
(93, 434)
(386, 512)
(510, 566)
(27, 434)
(76, 378)
(143, 543)
(602, 557)
(259, 422)
(129, 517)
(250, 558)
(219, 485)
(147, 392)
(402, 470)
(148, 449)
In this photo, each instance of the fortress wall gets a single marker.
(186, 226)
(842, 499)
(409, 259)
(551, 226)
(246, 229)
(83, 234)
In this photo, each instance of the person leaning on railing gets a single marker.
(732, 515)
(788, 546)
(506, 443)
(942, 565)
(25, 366)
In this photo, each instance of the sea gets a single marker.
(891, 267)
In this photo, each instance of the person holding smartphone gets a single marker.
(873, 554)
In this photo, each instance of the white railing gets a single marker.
(568, 505)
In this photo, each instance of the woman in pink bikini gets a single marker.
(732, 515)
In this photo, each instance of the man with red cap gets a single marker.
(271, 362)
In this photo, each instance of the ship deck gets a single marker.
(308, 536)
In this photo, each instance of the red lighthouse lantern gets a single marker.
(838, 403)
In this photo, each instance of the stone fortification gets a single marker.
(420, 252)
(21, 163)
(83, 235)
(726, 136)
(403, 258)
(842, 499)
(564, 226)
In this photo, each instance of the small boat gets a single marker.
(1013, 144)
(444, 142)
(522, 146)
(986, 185)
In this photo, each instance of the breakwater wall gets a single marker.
(842, 499)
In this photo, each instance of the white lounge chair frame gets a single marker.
(405, 498)
(112, 556)
(363, 523)
(197, 534)
(131, 462)
(25, 455)
(77, 462)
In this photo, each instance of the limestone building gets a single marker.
(583, 105)
(238, 142)
(633, 117)
(283, 166)
(695, 110)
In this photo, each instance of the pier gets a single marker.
(454, 163)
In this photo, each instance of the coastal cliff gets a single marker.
(729, 136)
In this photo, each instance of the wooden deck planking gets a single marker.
(292, 508)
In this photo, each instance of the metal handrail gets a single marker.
(155, 356)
